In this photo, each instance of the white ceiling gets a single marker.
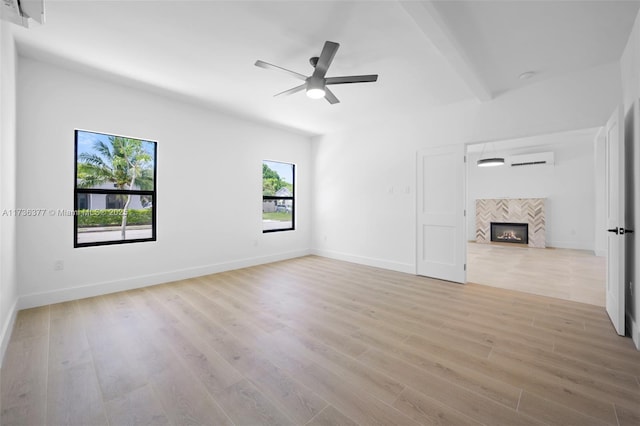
(507, 38)
(427, 54)
(534, 144)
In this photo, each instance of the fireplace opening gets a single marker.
(505, 232)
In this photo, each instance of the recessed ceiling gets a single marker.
(205, 51)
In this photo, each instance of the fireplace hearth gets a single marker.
(507, 232)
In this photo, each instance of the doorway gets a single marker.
(570, 179)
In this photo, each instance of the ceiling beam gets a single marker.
(438, 33)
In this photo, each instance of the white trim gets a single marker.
(7, 329)
(573, 245)
(635, 332)
(74, 293)
(407, 268)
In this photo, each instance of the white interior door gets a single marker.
(615, 219)
(440, 213)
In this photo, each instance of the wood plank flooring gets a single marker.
(314, 341)
(567, 274)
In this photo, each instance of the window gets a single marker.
(115, 189)
(278, 196)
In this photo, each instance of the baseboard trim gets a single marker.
(74, 293)
(369, 261)
(570, 245)
(7, 328)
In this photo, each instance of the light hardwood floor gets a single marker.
(314, 341)
(567, 274)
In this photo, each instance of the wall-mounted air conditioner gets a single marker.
(19, 11)
(538, 159)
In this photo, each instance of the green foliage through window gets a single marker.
(112, 217)
(272, 182)
(278, 196)
(114, 172)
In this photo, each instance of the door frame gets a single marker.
(479, 142)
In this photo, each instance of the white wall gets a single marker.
(361, 175)
(8, 275)
(364, 186)
(630, 72)
(568, 186)
(209, 186)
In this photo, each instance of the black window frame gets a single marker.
(77, 191)
(276, 198)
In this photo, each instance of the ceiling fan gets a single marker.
(316, 84)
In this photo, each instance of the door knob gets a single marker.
(626, 231)
(615, 230)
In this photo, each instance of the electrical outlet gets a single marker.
(58, 265)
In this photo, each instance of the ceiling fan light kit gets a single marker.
(315, 88)
(316, 84)
(316, 93)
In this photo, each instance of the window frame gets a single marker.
(292, 198)
(89, 191)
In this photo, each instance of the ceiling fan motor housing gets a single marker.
(316, 84)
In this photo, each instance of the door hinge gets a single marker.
(465, 213)
(465, 158)
(465, 266)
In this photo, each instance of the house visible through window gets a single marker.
(278, 196)
(83, 201)
(115, 189)
(116, 201)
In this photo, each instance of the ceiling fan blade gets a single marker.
(326, 57)
(328, 95)
(291, 91)
(352, 79)
(269, 66)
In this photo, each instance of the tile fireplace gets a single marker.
(529, 211)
